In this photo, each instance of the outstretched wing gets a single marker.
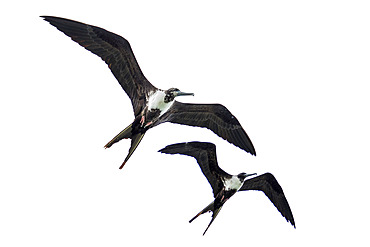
(205, 154)
(272, 189)
(215, 117)
(114, 50)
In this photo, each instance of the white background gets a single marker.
(294, 73)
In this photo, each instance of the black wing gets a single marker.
(272, 189)
(215, 117)
(115, 51)
(205, 154)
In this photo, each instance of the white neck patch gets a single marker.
(233, 183)
(156, 101)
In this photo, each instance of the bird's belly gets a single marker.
(156, 103)
(152, 115)
(163, 107)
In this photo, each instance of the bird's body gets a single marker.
(158, 103)
(225, 185)
(151, 106)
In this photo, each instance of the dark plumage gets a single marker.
(152, 106)
(225, 185)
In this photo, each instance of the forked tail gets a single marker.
(210, 207)
(125, 134)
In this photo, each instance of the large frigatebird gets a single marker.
(152, 106)
(225, 185)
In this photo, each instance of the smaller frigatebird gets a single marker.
(152, 106)
(225, 185)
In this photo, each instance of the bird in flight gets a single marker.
(151, 106)
(225, 185)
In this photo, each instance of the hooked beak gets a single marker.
(179, 93)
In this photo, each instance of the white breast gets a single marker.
(233, 183)
(156, 101)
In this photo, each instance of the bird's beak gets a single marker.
(179, 93)
(252, 174)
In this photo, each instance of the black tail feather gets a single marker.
(124, 134)
(135, 140)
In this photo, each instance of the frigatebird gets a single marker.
(152, 106)
(225, 185)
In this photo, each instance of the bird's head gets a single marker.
(172, 93)
(242, 176)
